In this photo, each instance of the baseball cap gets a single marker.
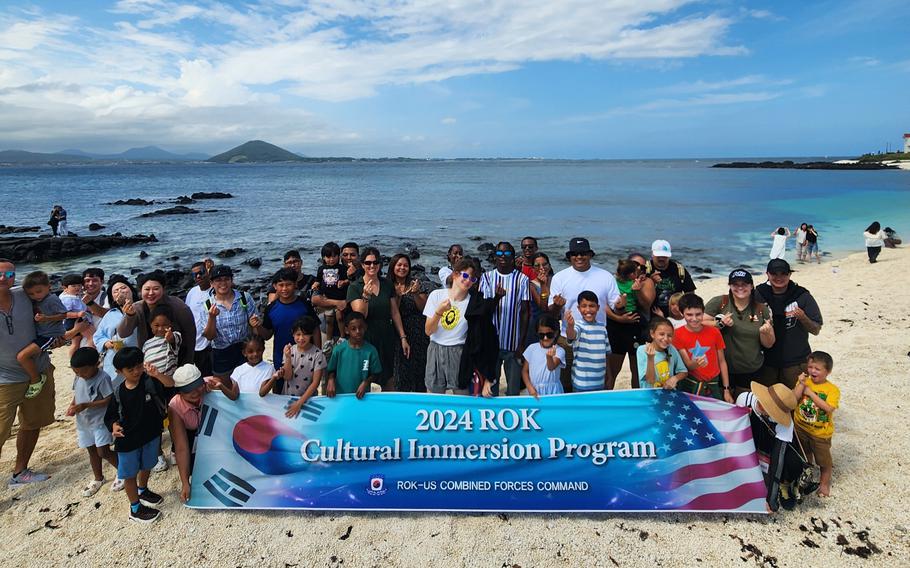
(739, 274)
(222, 270)
(778, 266)
(661, 247)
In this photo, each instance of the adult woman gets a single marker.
(480, 355)
(875, 240)
(801, 242)
(412, 297)
(746, 327)
(184, 413)
(54, 221)
(374, 297)
(812, 244)
(136, 315)
(119, 293)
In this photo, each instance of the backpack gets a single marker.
(149, 385)
(245, 301)
(681, 270)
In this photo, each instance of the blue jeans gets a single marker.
(508, 361)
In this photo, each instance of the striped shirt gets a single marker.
(590, 350)
(507, 317)
(232, 325)
(162, 354)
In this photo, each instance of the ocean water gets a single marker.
(714, 218)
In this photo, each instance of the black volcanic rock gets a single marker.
(9, 229)
(95, 227)
(184, 200)
(211, 195)
(131, 201)
(229, 253)
(178, 210)
(40, 249)
(791, 165)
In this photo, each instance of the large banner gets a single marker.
(633, 450)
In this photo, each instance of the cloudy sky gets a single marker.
(448, 78)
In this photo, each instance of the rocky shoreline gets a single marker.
(46, 248)
(791, 165)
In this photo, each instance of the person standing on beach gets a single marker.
(875, 240)
(801, 242)
(455, 254)
(61, 220)
(54, 222)
(195, 301)
(232, 315)
(136, 315)
(795, 315)
(568, 283)
(525, 261)
(35, 413)
(669, 276)
(779, 245)
(812, 244)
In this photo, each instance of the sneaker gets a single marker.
(34, 389)
(93, 487)
(117, 485)
(144, 514)
(162, 465)
(27, 476)
(150, 498)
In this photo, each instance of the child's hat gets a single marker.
(187, 378)
(778, 401)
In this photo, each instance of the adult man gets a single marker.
(668, 275)
(16, 331)
(526, 261)
(232, 315)
(568, 283)
(195, 301)
(795, 315)
(511, 315)
(94, 294)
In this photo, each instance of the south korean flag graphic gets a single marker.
(377, 485)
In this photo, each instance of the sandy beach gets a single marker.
(863, 523)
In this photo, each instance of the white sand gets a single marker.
(866, 312)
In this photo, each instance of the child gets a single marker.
(676, 318)
(250, 376)
(543, 360)
(354, 363)
(160, 353)
(814, 416)
(702, 349)
(454, 254)
(135, 416)
(71, 297)
(91, 394)
(332, 279)
(590, 347)
(49, 315)
(659, 363)
(304, 364)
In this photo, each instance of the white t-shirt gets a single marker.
(452, 328)
(249, 379)
(569, 283)
(749, 400)
(444, 273)
(779, 246)
(541, 377)
(195, 301)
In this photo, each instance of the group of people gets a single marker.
(57, 221)
(146, 355)
(806, 243)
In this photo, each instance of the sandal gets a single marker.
(92, 488)
(117, 485)
(34, 389)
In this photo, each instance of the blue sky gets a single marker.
(458, 78)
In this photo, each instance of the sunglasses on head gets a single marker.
(8, 274)
(370, 263)
(546, 334)
(504, 253)
(467, 276)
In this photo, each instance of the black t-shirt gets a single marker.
(670, 283)
(141, 418)
(791, 344)
(329, 277)
(811, 237)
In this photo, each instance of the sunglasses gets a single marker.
(198, 273)
(371, 263)
(467, 276)
(8, 274)
(529, 246)
(547, 335)
(578, 253)
(504, 253)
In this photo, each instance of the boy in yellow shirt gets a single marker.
(814, 417)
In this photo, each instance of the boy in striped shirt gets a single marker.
(591, 346)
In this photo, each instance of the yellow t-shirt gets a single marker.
(813, 419)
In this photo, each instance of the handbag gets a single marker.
(810, 477)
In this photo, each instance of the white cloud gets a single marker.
(448, 120)
(674, 105)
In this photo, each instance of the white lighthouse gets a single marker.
(906, 143)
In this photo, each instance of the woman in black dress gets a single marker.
(412, 297)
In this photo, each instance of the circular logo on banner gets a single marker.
(450, 318)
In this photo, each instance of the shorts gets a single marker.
(224, 361)
(44, 343)
(144, 458)
(203, 361)
(443, 364)
(11, 396)
(710, 389)
(785, 375)
(38, 412)
(623, 336)
(818, 448)
(99, 436)
(812, 248)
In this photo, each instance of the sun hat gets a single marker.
(778, 401)
(661, 247)
(579, 244)
(187, 378)
(739, 274)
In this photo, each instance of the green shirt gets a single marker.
(744, 349)
(625, 287)
(352, 366)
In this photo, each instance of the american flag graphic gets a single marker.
(706, 459)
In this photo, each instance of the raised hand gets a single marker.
(766, 327)
(169, 335)
(551, 352)
(255, 321)
(559, 301)
(214, 311)
(444, 306)
(650, 349)
(287, 351)
(128, 308)
(499, 292)
(570, 319)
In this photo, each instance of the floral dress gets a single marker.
(410, 372)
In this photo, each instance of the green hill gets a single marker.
(255, 151)
(23, 157)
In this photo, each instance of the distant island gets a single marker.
(259, 151)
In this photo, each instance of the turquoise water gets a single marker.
(715, 218)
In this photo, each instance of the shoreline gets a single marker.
(864, 308)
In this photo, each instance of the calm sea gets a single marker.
(714, 218)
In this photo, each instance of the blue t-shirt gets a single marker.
(663, 369)
(280, 317)
(590, 350)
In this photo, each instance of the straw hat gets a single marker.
(778, 401)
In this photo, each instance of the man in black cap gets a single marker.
(568, 283)
(232, 316)
(795, 315)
